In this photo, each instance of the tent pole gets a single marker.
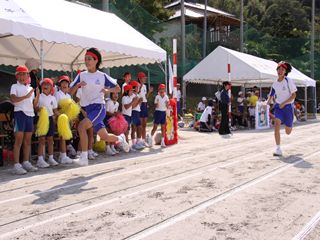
(165, 74)
(315, 101)
(306, 103)
(148, 79)
(41, 58)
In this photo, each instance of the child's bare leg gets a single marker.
(27, 146)
(50, 145)
(42, 141)
(154, 129)
(18, 138)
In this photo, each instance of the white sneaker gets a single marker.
(114, 150)
(277, 152)
(95, 154)
(163, 145)
(145, 144)
(123, 143)
(91, 156)
(141, 145)
(52, 162)
(18, 169)
(132, 149)
(82, 161)
(28, 167)
(42, 163)
(109, 151)
(65, 160)
(71, 150)
(149, 140)
(137, 146)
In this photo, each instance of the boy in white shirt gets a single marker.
(127, 79)
(63, 83)
(284, 91)
(47, 100)
(202, 104)
(206, 118)
(136, 130)
(159, 117)
(22, 97)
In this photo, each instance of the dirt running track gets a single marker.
(206, 187)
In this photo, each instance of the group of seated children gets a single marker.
(97, 115)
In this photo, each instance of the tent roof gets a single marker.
(67, 30)
(246, 70)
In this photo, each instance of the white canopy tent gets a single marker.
(246, 70)
(58, 32)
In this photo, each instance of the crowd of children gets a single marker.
(97, 94)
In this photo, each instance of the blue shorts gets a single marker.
(178, 107)
(159, 117)
(22, 122)
(240, 109)
(96, 114)
(285, 114)
(106, 121)
(144, 110)
(128, 119)
(135, 118)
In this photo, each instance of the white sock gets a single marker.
(63, 155)
(278, 146)
(51, 157)
(90, 151)
(17, 164)
(40, 158)
(84, 154)
(133, 141)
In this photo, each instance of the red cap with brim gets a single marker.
(22, 69)
(282, 65)
(161, 86)
(141, 75)
(134, 84)
(64, 78)
(127, 88)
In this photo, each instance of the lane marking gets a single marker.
(308, 228)
(208, 203)
(114, 175)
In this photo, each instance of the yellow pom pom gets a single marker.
(64, 127)
(43, 122)
(99, 146)
(70, 108)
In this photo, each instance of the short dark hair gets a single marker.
(126, 73)
(210, 102)
(226, 83)
(98, 54)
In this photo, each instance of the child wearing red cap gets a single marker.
(63, 93)
(47, 100)
(159, 117)
(284, 92)
(94, 85)
(22, 97)
(144, 105)
(128, 99)
(137, 142)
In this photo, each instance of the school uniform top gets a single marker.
(252, 111)
(25, 105)
(112, 107)
(143, 93)
(282, 90)
(91, 93)
(61, 95)
(205, 114)
(162, 103)
(49, 102)
(240, 101)
(127, 100)
(178, 95)
(136, 108)
(201, 106)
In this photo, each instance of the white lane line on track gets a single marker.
(160, 154)
(113, 175)
(308, 228)
(195, 209)
(24, 228)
